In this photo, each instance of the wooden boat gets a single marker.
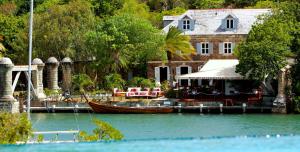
(101, 108)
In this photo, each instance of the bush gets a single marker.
(114, 81)
(14, 128)
(141, 82)
(165, 86)
(104, 131)
(81, 82)
(173, 93)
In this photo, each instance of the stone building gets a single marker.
(214, 34)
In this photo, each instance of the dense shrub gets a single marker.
(14, 128)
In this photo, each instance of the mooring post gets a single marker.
(221, 108)
(201, 107)
(66, 64)
(179, 109)
(7, 101)
(37, 79)
(52, 73)
(244, 107)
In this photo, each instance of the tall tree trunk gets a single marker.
(169, 55)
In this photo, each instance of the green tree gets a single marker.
(174, 42)
(264, 52)
(103, 132)
(206, 4)
(265, 4)
(14, 128)
(272, 39)
(58, 32)
(124, 41)
(105, 8)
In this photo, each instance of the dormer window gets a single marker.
(229, 23)
(186, 24)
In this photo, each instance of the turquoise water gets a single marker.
(261, 144)
(175, 132)
(174, 125)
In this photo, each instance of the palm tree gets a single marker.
(175, 42)
(81, 82)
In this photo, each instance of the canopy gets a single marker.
(223, 69)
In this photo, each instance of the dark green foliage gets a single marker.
(81, 82)
(14, 128)
(268, 44)
(206, 4)
(124, 41)
(104, 8)
(103, 132)
(114, 81)
(141, 82)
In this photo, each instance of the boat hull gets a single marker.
(100, 108)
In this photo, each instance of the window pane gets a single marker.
(231, 23)
(184, 26)
(229, 45)
(188, 26)
(188, 21)
(225, 45)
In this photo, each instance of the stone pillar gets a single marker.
(67, 73)
(52, 73)
(279, 104)
(37, 79)
(7, 101)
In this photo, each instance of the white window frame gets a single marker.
(204, 48)
(230, 23)
(227, 48)
(186, 24)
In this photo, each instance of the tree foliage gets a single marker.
(114, 80)
(268, 45)
(81, 82)
(206, 4)
(124, 41)
(14, 128)
(103, 132)
(175, 42)
(141, 82)
(105, 8)
(58, 32)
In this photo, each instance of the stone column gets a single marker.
(52, 73)
(37, 79)
(7, 101)
(67, 73)
(279, 104)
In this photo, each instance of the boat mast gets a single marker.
(29, 59)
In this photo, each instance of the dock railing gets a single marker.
(55, 136)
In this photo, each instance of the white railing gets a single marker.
(56, 134)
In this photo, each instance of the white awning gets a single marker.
(222, 69)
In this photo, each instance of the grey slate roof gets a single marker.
(209, 22)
